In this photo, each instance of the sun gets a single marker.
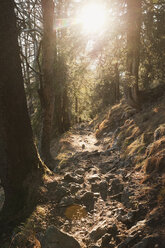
(92, 18)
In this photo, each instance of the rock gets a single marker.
(74, 187)
(103, 189)
(112, 230)
(116, 197)
(139, 227)
(60, 192)
(97, 233)
(80, 171)
(128, 240)
(105, 167)
(125, 198)
(93, 178)
(96, 195)
(149, 241)
(116, 187)
(88, 200)
(109, 177)
(105, 240)
(54, 238)
(95, 187)
(66, 201)
(73, 178)
(127, 218)
(154, 218)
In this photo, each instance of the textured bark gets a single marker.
(48, 69)
(18, 156)
(76, 109)
(65, 111)
(117, 90)
(133, 50)
(61, 113)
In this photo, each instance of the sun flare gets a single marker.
(93, 18)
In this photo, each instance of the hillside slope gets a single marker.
(108, 188)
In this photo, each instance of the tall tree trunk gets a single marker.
(117, 89)
(76, 109)
(47, 88)
(19, 163)
(65, 111)
(133, 48)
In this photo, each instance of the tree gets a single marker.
(133, 48)
(47, 94)
(20, 165)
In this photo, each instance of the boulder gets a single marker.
(103, 189)
(73, 178)
(116, 187)
(150, 241)
(93, 178)
(60, 192)
(105, 240)
(95, 187)
(88, 200)
(97, 233)
(54, 238)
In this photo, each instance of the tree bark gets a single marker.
(117, 83)
(19, 163)
(47, 94)
(133, 50)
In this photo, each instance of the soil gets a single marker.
(96, 196)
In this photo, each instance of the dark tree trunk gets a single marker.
(61, 112)
(48, 68)
(117, 90)
(19, 162)
(65, 111)
(76, 109)
(133, 50)
(58, 112)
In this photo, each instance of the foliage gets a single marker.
(88, 67)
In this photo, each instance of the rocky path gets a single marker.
(95, 199)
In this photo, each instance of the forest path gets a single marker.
(94, 194)
(93, 199)
(80, 138)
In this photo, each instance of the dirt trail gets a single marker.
(96, 197)
(78, 139)
(84, 139)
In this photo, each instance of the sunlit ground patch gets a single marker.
(75, 212)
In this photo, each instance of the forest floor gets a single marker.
(104, 191)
